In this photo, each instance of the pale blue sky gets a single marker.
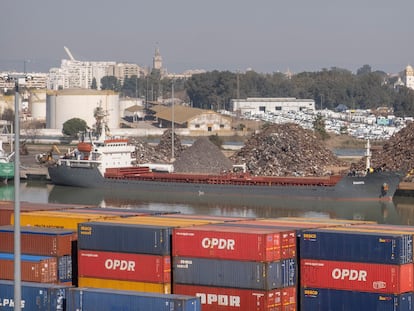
(267, 36)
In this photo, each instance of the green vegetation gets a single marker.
(329, 88)
(73, 126)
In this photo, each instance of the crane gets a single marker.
(69, 53)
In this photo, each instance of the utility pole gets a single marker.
(172, 121)
(17, 79)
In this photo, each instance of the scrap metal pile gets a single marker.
(161, 153)
(287, 150)
(397, 154)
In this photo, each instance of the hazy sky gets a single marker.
(264, 35)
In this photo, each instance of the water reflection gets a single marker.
(401, 211)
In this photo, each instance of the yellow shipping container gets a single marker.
(161, 288)
(57, 219)
(160, 221)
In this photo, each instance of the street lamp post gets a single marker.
(17, 79)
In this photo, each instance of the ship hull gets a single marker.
(349, 188)
(6, 171)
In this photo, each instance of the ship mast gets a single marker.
(368, 155)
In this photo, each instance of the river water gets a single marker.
(400, 211)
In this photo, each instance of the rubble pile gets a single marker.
(160, 153)
(287, 150)
(397, 154)
(202, 157)
(165, 145)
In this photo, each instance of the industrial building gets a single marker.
(252, 106)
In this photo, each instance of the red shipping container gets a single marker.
(358, 276)
(38, 241)
(228, 242)
(288, 238)
(124, 266)
(33, 268)
(225, 299)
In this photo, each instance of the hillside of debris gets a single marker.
(397, 154)
(202, 157)
(286, 150)
(161, 153)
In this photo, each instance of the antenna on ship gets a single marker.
(101, 127)
(368, 156)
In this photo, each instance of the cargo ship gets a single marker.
(111, 165)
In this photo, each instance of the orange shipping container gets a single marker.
(162, 288)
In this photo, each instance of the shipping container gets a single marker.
(233, 273)
(58, 219)
(125, 238)
(65, 266)
(125, 266)
(38, 241)
(237, 299)
(357, 245)
(218, 219)
(158, 220)
(331, 222)
(108, 300)
(359, 276)
(34, 296)
(232, 242)
(7, 209)
(161, 288)
(39, 269)
(288, 236)
(318, 299)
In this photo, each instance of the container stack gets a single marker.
(46, 254)
(351, 268)
(130, 253)
(232, 268)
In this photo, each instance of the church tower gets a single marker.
(409, 77)
(157, 60)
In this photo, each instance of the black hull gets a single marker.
(349, 188)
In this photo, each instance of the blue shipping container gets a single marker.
(357, 246)
(35, 296)
(124, 238)
(65, 269)
(234, 273)
(85, 299)
(317, 299)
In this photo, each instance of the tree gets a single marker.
(319, 127)
(73, 126)
(93, 85)
(110, 83)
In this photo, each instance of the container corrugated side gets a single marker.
(217, 242)
(125, 266)
(65, 269)
(357, 276)
(148, 287)
(357, 245)
(48, 219)
(34, 296)
(125, 238)
(38, 241)
(288, 236)
(318, 299)
(227, 299)
(233, 273)
(108, 300)
(39, 269)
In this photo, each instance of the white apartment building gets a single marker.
(271, 105)
(409, 77)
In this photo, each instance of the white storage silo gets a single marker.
(66, 104)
